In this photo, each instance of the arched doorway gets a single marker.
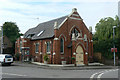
(79, 55)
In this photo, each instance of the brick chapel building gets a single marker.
(65, 39)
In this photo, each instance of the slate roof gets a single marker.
(47, 27)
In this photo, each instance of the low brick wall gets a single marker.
(111, 62)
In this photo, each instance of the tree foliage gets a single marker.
(103, 37)
(11, 30)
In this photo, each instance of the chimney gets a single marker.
(74, 10)
(55, 25)
(90, 29)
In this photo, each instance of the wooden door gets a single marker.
(79, 56)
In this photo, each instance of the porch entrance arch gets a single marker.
(79, 55)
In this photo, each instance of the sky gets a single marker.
(29, 13)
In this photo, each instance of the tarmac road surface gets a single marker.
(26, 70)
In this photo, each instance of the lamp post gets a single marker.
(2, 40)
(113, 42)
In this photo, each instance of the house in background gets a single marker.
(65, 39)
(7, 45)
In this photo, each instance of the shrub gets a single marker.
(73, 58)
(46, 58)
(17, 56)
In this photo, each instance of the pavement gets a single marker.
(66, 67)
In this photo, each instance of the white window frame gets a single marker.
(36, 46)
(48, 45)
(63, 46)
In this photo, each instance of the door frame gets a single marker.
(83, 54)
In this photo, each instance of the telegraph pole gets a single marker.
(2, 40)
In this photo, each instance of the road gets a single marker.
(27, 70)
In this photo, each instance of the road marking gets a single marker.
(13, 74)
(92, 76)
(101, 73)
(99, 76)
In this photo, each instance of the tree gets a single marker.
(103, 38)
(11, 30)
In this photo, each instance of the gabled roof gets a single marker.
(48, 28)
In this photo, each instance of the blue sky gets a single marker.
(29, 13)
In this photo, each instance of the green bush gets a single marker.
(73, 58)
(17, 56)
(46, 58)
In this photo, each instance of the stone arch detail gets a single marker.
(73, 28)
(82, 45)
(62, 35)
(79, 55)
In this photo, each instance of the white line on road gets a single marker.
(13, 74)
(99, 76)
(101, 73)
(92, 76)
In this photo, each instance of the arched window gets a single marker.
(75, 31)
(62, 45)
(48, 47)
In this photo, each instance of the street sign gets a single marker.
(113, 49)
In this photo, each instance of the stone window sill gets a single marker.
(61, 53)
(36, 52)
(48, 52)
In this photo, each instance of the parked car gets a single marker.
(6, 59)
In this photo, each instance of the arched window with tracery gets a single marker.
(75, 32)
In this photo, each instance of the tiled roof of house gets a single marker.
(47, 29)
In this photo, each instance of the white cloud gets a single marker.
(24, 13)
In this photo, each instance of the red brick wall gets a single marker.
(42, 48)
(65, 30)
(62, 32)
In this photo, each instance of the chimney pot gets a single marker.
(74, 10)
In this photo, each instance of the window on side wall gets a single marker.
(20, 46)
(61, 45)
(36, 47)
(48, 47)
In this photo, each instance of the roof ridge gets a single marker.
(48, 26)
(53, 19)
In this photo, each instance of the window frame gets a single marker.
(36, 47)
(48, 47)
(62, 51)
(21, 43)
(75, 31)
